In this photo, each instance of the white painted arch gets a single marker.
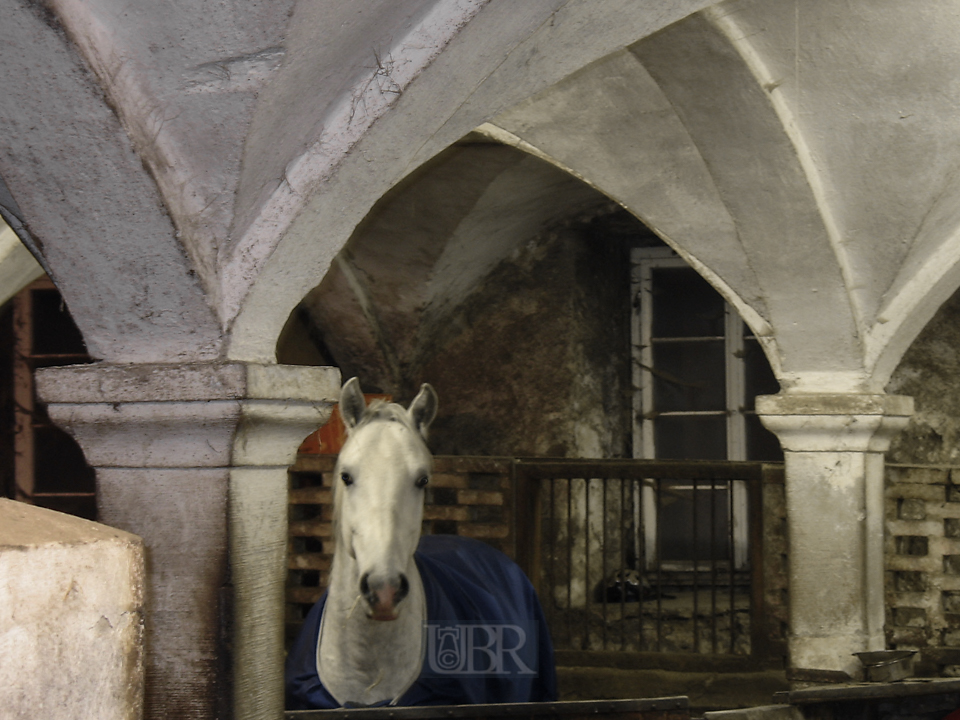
(700, 131)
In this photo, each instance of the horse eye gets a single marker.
(347, 479)
(422, 481)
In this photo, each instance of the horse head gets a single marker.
(380, 478)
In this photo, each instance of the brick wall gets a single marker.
(923, 565)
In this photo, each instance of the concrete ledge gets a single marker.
(706, 690)
(764, 712)
(71, 617)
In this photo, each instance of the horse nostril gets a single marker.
(403, 589)
(365, 588)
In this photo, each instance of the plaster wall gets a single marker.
(541, 335)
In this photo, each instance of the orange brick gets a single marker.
(480, 497)
(448, 480)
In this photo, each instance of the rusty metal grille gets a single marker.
(606, 576)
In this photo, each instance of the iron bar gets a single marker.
(713, 566)
(731, 560)
(569, 561)
(696, 568)
(603, 559)
(586, 564)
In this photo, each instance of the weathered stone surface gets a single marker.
(194, 459)
(106, 383)
(71, 617)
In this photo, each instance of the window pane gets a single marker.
(689, 376)
(685, 305)
(691, 437)
(760, 379)
(761, 443)
(693, 524)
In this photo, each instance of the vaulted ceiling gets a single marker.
(188, 172)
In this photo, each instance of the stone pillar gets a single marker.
(193, 459)
(833, 447)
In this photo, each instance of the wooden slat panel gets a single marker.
(309, 561)
(311, 528)
(311, 496)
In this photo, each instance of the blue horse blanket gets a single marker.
(486, 637)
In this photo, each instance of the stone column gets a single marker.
(193, 459)
(833, 447)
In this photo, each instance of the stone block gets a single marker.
(951, 527)
(71, 617)
(907, 637)
(912, 509)
(951, 564)
(910, 617)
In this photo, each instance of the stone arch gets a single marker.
(493, 260)
(449, 98)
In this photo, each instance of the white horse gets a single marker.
(366, 642)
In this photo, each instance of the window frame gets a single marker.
(643, 263)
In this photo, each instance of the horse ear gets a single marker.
(423, 409)
(352, 403)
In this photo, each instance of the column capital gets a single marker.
(835, 422)
(189, 414)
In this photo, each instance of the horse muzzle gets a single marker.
(383, 596)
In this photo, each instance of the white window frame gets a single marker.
(643, 262)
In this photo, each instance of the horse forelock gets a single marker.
(380, 410)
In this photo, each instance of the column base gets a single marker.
(835, 652)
